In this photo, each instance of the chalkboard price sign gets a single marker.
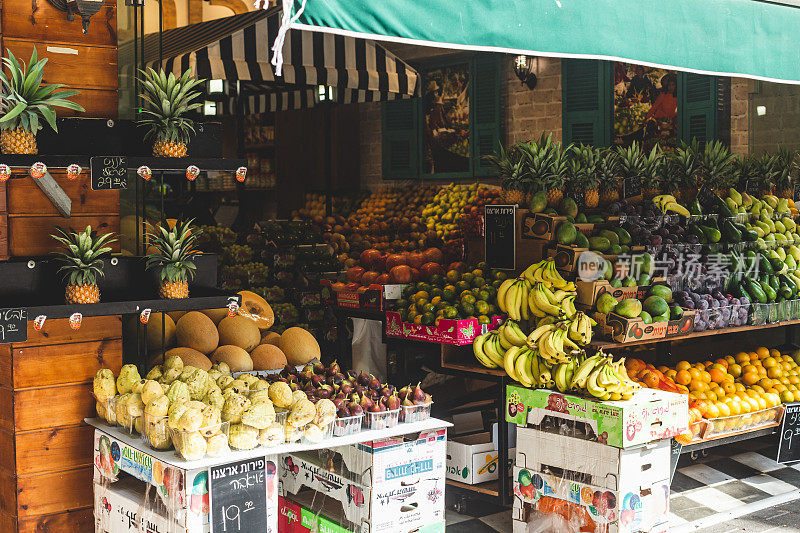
(13, 325)
(239, 496)
(752, 187)
(109, 172)
(501, 236)
(676, 449)
(789, 434)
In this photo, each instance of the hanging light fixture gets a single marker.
(523, 68)
(84, 8)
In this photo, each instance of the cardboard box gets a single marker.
(455, 332)
(183, 491)
(590, 291)
(650, 415)
(390, 485)
(567, 258)
(473, 459)
(541, 226)
(623, 329)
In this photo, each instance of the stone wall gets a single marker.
(780, 123)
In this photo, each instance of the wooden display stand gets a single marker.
(45, 447)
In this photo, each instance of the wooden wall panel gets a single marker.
(39, 21)
(3, 236)
(41, 366)
(67, 405)
(76, 65)
(31, 236)
(24, 197)
(57, 449)
(98, 103)
(59, 331)
(73, 521)
(6, 366)
(37, 495)
(8, 457)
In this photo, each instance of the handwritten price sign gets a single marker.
(239, 496)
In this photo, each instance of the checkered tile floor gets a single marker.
(726, 479)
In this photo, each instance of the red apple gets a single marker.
(415, 260)
(384, 278)
(429, 269)
(369, 277)
(354, 274)
(369, 257)
(394, 260)
(380, 263)
(433, 255)
(401, 274)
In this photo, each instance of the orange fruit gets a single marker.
(717, 375)
(739, 387)
(745, 406)
(764, 383)
(707, 363)
(723, 362)
(729, 387)
(758, 390)
(711, 395)
(682, 365)
(786, 397)
(749, 378)
(705, 376)
(670, 374)
(742, 358)
(697, 385)
(762, 352)
(711, 411)
(734, 406)
(683, 377)
(779, 387)
(794, 380)
(774, 372)
(772, 399)
(735, 370)
(650, 379)
(695, 373)
(762, 403)
(729, 359)
(769, 362)
(775, 353)
(746, 369)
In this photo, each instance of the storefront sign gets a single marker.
(13, 325)
(500, 236)
(239, 496)
(109, 172)
(789, 434)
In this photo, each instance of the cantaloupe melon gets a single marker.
(155, 334)
(267, 357)
(176, 315)
(299, 345)
(239, 331)
(191, 357)
(195, 330)
(270, 337)
(256, 308)
(215, 314)
(236, 358)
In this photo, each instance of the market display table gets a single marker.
(187, 488)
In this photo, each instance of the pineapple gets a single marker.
(583, 175)
(652, 173)
(784, 181)
(174, 248)
(512, 173)
(24, 102)
(82, 263)
(167, 100)
(607, 169)
(684, 168)
(716, 167)
(632, 164)
(547, 166)
(766, 172)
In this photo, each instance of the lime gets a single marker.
(482, 307)
(424, 287)
(453, 276)
(478, 282)
(499, 274)
(484, 295)
(436, 299)
(421, 302)
(451, 312)
(427, 319)
(492, 310)
(496, 283)
(463, 285)
(449, 294)
(428, 308)
(467, 309)
(468, 298)
(421, 295)
(483, 319)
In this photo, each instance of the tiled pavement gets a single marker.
(727, 479)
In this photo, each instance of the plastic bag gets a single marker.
(551, 523)
(369, 352)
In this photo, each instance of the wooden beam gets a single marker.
(55, 193)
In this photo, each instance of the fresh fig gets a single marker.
(418, 395)
(333, 369)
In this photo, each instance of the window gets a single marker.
(446, 132)
(589, 103)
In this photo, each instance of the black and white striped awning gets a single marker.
(238, 48)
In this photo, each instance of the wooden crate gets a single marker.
(41, 22)
(45, 448)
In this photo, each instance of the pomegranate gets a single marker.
(401, 274)
(369, 277)
(354, 274)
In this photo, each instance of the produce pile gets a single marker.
(377, 268)
(207, 413)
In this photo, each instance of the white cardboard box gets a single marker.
(389, 485)
(473, 459)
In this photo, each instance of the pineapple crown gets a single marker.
(167, 99)
(745, 170)
(766, 170)
(174, 249)
(547, 162)
(583, 168)
(716, 165)
(785, 166)
(81, 258)
(632, 162)
(24, 99)
(684, 165)
(510, 168)
(608, 169)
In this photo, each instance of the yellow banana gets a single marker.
(514, 334)
(509, 362)
(493, 350)
(501, 294)
(560, 377)
(534, 362)
(568, 306)
(593, 387)
(533, 338)
(524, 307)
(522, 367)
(584, 370)
(480, 355)
(501, 335)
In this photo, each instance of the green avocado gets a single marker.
(662, 291)
(581, 241)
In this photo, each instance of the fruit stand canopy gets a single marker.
(741, 38)
(238, 48)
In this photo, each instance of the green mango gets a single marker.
(605, 303)
(624, 236)
(675, 312)
(731, 205)
(568, 207)
(581, 241)
(655, 305)
(629, 308)
(616, 283)
(566, 233)
(538, 202)
(612, 237)
(600, 244)
(629, 282)
(646, 318)
(662, 291)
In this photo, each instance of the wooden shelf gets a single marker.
(490, 488)
(696, 335)
(728, 438)
(474, 368)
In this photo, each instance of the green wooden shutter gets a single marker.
(697, 107)
(586, 101)
(400, 135)
(486, 111)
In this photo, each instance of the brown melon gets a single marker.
(216, 314)
(299, 345)
(155, 334)
(239, 331)
(267, 357)
(236, 358)
(191, 357)
(256, 308)
(176, 315)
(270, 337)
(195, 330)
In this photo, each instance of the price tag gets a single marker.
(789, 434)
(13, 324)
(501, 238)
(238, 494)
(109, 172)
(676, 449)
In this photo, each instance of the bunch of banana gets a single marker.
(520, 362)
(667, 202)
(552, 342)
(580, 328)
(558, 303)
(598, 375)
(510, 334)
(488, 349)
(512, 298)
(545, 272)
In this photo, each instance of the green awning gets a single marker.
(742, 38)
